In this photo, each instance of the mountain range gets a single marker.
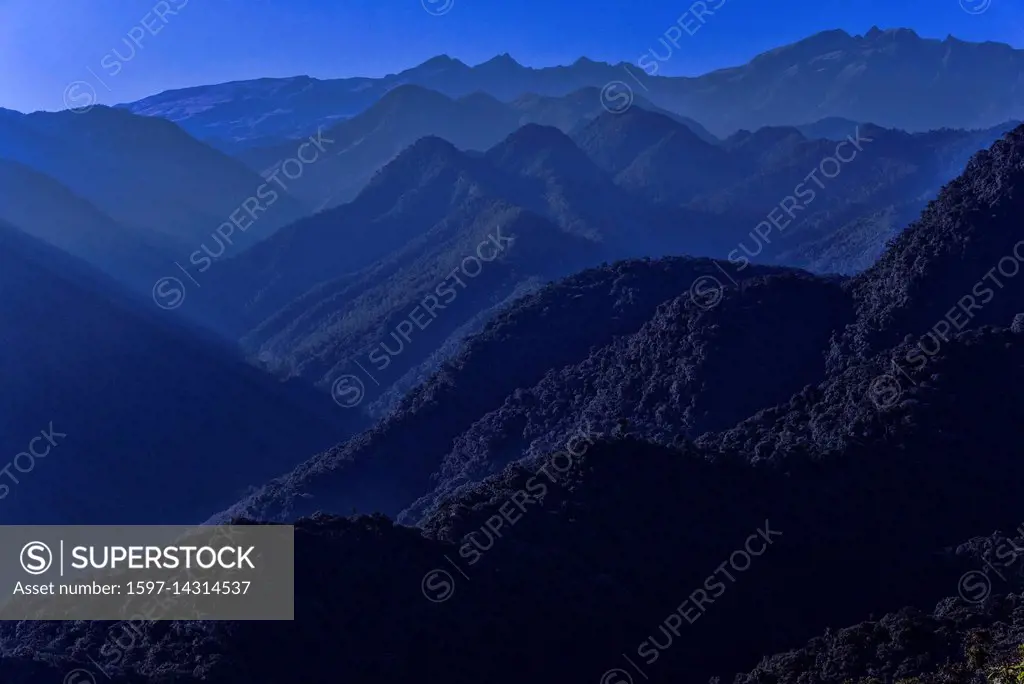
(478, 121)
(131, 195)
(324, 297)
(868, 499)
(101, 158)
(660, 373)
(845, 473)
(937, 83)
(540, 381)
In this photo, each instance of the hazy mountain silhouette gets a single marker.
(892, 78)
(157, 423)
(407, 233)
(650, 154)
(831, 128)
(238, 115)
(840, 223)
(40, 206)
(367, 141)
(145, 173)
(640, 185)
(571, 110)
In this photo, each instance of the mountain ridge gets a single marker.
(704, 98)
(71, 332)
(547, 377)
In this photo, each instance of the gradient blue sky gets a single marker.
(47, 44)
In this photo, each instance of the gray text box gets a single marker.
(161, 572)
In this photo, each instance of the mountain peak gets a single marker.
(530, 139)
(423, 157)
(431, 145)
(438, 63)
(441, 60)
(831, 33)
(773, 135)
(822, 42)
(409, 94)
(635, 119)
(534, 132)
(831, 36)
(534, 147)
(428, 150)
(418, 165)
(614, 140)
(901, 34)
(504, 60)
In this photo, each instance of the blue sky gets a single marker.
(45, 45)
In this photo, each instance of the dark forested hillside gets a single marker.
(632, 529)
(672, 380)
(956, 266)
(42, 207)
(513, 352)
